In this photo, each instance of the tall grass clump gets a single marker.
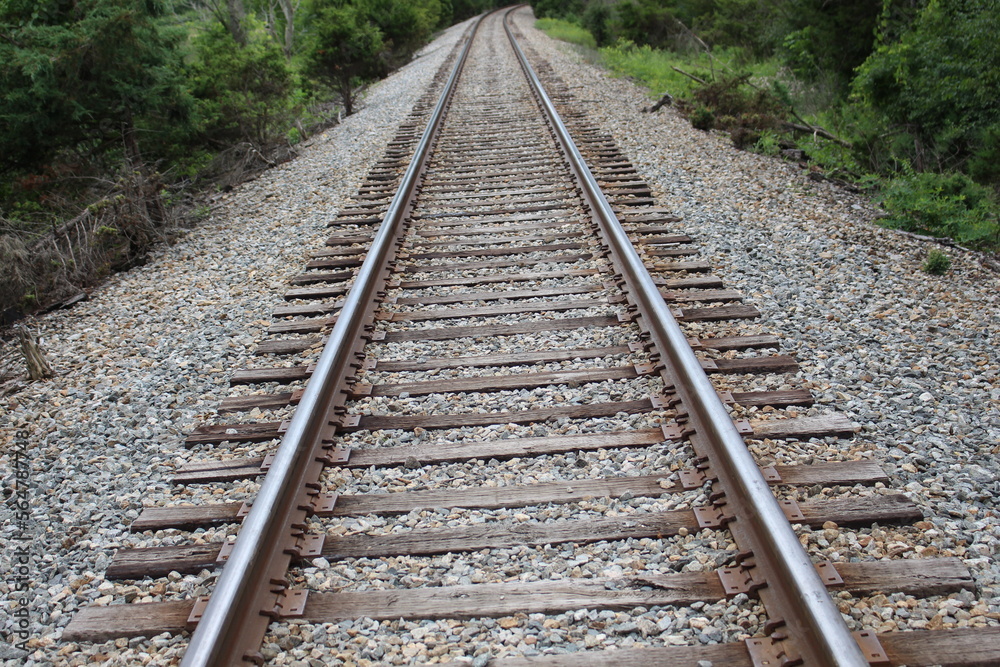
(679, 73)
(566, 31)
(652, 67)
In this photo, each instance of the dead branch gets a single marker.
(690, 76)
(666, 100)
(813, 129)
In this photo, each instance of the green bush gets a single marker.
(702, 118)
(950, 205)
(597, 19)
(243, 92)
(648, 23)
(931, 96)
(937, 263)
(984, 165)
(831, 38)
(798, 52)
(558, 9)
(79, 76)
(404, 25)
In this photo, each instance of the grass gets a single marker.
(656, 69)
(652, 67)
(566, 31)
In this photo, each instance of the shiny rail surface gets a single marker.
(226, 632)
(801, 597)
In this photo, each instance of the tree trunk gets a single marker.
(288, 9)
(347, 96)
(234, 21)
(34, 358)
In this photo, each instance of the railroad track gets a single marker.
(519, 398)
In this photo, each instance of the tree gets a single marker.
(558, 9)
(832, 37)
(242, 92)
(597, 19)
(78, 75)
(405, 25)
(463, 9)
(647, 22)
(344, 50)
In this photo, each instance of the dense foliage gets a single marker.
(243, 92)
(102, 100)
(908, 87)
(931, 95)
(77, 75)
(345, 51)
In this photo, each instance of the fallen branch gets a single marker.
(812, 129)
(690, 76)
(804, 127)
(943, 240)
(666, 100)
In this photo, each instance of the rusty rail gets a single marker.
(253, 580)
(793, 590)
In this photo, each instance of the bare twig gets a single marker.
(690, 76)
(698, 39)
(262, 156)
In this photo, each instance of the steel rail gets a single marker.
(235, 612)
(819, 632)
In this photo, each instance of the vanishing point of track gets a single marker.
(500, 293)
